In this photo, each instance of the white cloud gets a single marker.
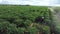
(54, 3)
(10, 2)
(0, 1)
(40, 2)
(30, 2)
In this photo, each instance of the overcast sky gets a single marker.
(31, 2)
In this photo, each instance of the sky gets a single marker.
(32, 2)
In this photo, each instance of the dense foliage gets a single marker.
(24, 20)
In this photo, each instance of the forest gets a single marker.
(16, 19)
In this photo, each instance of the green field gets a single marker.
(24, 19)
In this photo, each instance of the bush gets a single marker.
(21, 30)
(46, 30)
(33, 30)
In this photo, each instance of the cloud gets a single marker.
(0, 1)
(31, 2)
(40, 2)
(54, 3)
(57, 1)
(10, 2)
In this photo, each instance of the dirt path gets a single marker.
(56, 16)
(57, 19)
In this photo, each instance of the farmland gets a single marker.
(18, 19)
